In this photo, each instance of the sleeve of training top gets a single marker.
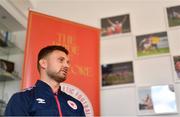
(82, 113)
(17, 106)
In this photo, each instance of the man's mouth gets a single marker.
(65, 71)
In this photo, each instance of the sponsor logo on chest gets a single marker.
(72, 104)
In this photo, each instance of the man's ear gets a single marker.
(43, 63)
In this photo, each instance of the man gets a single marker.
(154, 42)
(117, 26)
(46, 97)
(177, 67)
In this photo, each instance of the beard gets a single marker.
(56, 76)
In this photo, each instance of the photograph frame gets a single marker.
(123, 69)
(151, 108)
(112, 26)
(169, 15)
(153, 50)
(176, 74)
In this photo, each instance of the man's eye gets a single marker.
(68, 62)
(61, 60)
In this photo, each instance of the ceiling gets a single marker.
(8, 22)
(8, 19)
(22, 6)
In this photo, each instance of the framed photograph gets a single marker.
(173, 14)
(159, 99)
(176, 65)
(117, 74)
(115, 25)
(152, 44)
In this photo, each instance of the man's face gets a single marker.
(57, 66)
(177, 66)
(116, 22)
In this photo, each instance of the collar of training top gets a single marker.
(46, 88)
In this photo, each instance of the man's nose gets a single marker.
(67, 64)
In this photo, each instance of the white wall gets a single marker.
(147, 16)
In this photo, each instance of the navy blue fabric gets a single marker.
(40, 101)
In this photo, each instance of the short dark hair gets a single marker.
(49, 49)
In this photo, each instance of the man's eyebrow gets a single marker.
(61, 57)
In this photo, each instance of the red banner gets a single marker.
(83, 44)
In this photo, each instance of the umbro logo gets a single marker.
(40, 101)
